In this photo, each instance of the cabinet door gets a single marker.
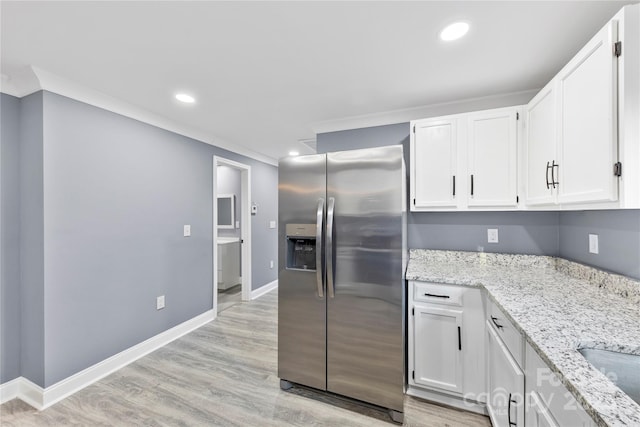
(492, 158)
(538, 414)
(505, 381)
(541, 136)
(437, 348)
(433, 161)
(587, 91)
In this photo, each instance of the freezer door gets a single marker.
(301, 300)
(365, 328)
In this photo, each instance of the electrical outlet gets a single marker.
(160, 302)
(271, 264)
(593, 243)
(187, 230)
(492, 235)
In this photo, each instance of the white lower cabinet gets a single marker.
(446, 344)
(549, 403)
(464, 351)
(505, 383)
(438, 352)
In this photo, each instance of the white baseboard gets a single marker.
(10, 390)
(264, 289)
(41, 399)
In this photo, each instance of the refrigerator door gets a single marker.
(301, 290)
(365, 327)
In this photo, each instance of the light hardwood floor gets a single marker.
(223, 374)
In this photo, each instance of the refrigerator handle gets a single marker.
(329, 247)
(319, 269)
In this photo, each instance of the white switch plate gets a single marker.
(237, 224)
(593, 243)
(271, 264)
(272, 224)
(492, 235)
(187, 230)
(160, 302)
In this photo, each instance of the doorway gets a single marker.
(231, 233)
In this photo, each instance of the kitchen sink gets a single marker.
(621, 368)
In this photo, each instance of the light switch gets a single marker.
(187, 230)
(492, 235)
(593, 243)
(160, 302)
(272, 224)
(237, 224)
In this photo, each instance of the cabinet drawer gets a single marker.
(435, 293)
(511, 337)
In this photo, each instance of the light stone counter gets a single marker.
(559, 306)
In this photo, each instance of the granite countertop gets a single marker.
(559, 306)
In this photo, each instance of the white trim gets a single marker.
(264, 289)
(245, 227)
(425, 111)
(10, 390)
(40, 399)
(32, 394)
(32, 79)
(452, 401)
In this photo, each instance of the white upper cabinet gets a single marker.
(492, 157)
(588, 144)
(434, 163)
(541, 135)
(466, 161)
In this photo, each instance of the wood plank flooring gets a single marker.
(223, 374)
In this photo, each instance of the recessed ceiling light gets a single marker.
(454, 31)
(183, 97)
(293, 153)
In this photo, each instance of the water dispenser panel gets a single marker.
(301, 247)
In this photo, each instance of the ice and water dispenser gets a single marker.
(301, 247)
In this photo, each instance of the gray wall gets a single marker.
(618, 237)
(562, 234)
(32, 239)
(103, 202)
(10, 242)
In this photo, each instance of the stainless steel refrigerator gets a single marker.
(342, 259)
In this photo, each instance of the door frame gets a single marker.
(245, 229)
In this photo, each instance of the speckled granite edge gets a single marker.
(494, 259)
(615, 283)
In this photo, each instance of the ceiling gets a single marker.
(265, 74)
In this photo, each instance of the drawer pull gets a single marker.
(437, 296)
(499, 326)
(511, 423)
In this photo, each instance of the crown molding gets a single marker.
(424, 111)
(21, 83)
(32, 79)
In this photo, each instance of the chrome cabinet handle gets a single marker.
(319, 269)
(329, 248)
(548, 183)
